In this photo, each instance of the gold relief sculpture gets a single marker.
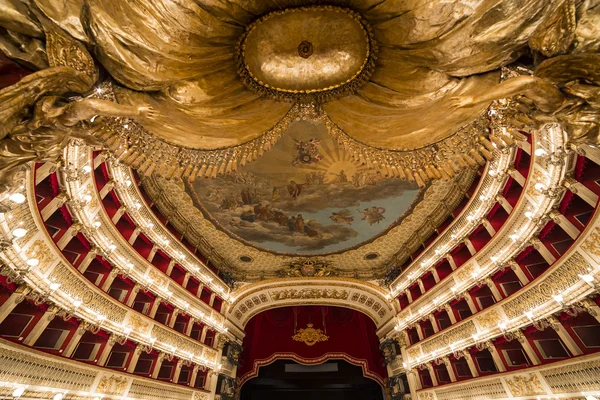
(489, 320)
(575, 105)
(592, 244)
(112, 385)
(194, 86)
(310, 336)
(137, 324)
(309, 294)
(525, 385)
(157, 278)
(308, 268)
(426, 396)
(201, 396)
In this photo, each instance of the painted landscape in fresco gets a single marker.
(306, 195)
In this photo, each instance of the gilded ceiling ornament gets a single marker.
(310, 336)
(308, 268)
(335, 55)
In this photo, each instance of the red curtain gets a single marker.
(351, 336)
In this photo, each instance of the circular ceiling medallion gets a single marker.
(307, 54)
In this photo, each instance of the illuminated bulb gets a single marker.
(128, 182)
(529, 314)
(17, 198)
(494, 258)
(97, 224)
(587, 278)
(98, 90)
(591, 398)
(112, 247)
(87, 198)
(58, 396)
(502, 325)
(93, 118)
(540, 152)
(492, 172)
(150, 225)
(470, 218)
(529, 214)
(404, 364)
(54, 286)
(126, 126)
(475, 337)
(18, 392)
(19, 232)
(482, 198)
(539, 186)
(33, 262)
(558, 298)
(127, 331)
(129, 265)
(514, 237)
(87, 169)
(77, 303)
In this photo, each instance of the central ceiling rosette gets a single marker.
(308, 54)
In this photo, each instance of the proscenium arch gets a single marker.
(361, 296)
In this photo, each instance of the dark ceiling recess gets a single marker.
(332, 380)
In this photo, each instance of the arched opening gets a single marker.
(323, 350)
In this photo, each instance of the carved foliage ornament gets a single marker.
(310, 336)
(307, 268)
(309, 294)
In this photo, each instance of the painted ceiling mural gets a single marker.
(307, 195)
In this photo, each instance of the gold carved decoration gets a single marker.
(310, 336)
(523, 385)
(592, 244)
(489, 320)
(311, 80)
(309, 294)
(137, 324)
(112, 385)
(302, 268)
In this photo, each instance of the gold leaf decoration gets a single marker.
(310, 336)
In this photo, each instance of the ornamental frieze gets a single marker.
(278, 295)
(565, 276)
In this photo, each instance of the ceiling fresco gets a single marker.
(307, 195)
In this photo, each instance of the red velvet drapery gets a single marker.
(351, 335)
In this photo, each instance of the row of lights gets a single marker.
(164, 293)
(209, 281)
(530, 214)
(54, 286)
(446, 246)
(503, 325)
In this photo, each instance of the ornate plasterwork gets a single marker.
(310, 335)
(525, 385)
(439, 200)
(350, 293)
(307, 75)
